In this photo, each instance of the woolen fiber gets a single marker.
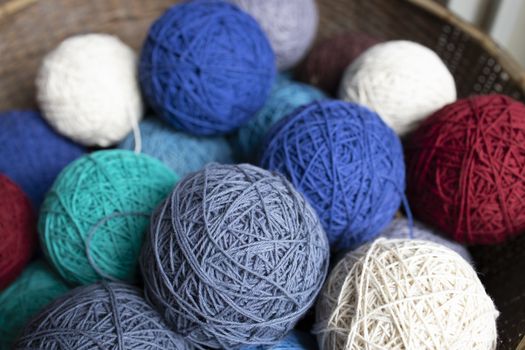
(291, 26)
(110, 316)
(17, 231)
(31, 153)
(182, 152)
(234, 256)
(402, 81)
(295, 340)
(405, 295)
(286, 96)
(206, 67)
(325, 64)
(347, 163)
(88, 90)
(93, 220)
(464, 165)
(37, 286)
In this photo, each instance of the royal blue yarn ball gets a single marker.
(182, 152)
(285, 97)
(32, 153)
(206, 67)
(295, 340)
(347, 163)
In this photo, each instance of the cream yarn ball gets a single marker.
(405, 294)
(88, 91)
(402, 81)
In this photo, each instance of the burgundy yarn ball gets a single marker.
(17, 231)
(324, 66)
(466, 169)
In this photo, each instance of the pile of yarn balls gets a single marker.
(170, 241)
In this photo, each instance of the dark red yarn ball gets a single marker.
(325, 64)
(466, 169)
(17, 231)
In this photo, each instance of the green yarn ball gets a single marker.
(93, 219)
(36, 287)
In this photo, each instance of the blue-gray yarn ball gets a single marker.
(109, 316)
(235, 256)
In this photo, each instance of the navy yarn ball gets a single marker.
(206, 67)
(32, 153)
(347, 163)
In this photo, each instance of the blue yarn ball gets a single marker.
(295, 340)
(206, 67)
(285, 97)
(181, 152)
(32, 153)
(348, 164)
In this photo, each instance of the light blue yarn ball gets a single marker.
(295, 340)
(182, 152)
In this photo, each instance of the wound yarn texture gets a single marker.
(405, 295)
(403, 81)
(295, 340)
(463, 167)
(112, 316)
(206, 67)
(347, 163)
(17, 231)
(234, 256)
(88, 90)
(182, 152)
(93, 219)
(291, 26)
(32, 153)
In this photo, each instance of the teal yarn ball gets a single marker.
(182, 152)
(93, 219)
(286, 96)
(36, 287)
(295, 340)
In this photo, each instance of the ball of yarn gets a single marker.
(93, 219)
(235, 256)
(402, 81)
(31, 153)
(463, 167)
(347, 163)
(206, 67)
(36, 287)
(295, 340)
(400, 228)
(88, 91)
(110, 316)
(325, 64)
(290, 26)
(17, 231)
(286, 96)
(405, 294)
(182, 152)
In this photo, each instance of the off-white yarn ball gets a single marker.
(402, 81)
(406, 295)
(88, 91)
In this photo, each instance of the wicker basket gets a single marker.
(30, 28)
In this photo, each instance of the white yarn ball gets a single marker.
(290, 25)
(88, 91)
(406, 295)
(402, 81)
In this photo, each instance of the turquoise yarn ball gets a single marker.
(286, 96)
(295, 340)
(36, 287)
(182, 152)
(93, 219)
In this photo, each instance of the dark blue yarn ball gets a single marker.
(32, 153)
(206, 67)
(348, 164)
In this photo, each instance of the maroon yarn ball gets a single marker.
(17, 231)
(324, 66)
(466, 169)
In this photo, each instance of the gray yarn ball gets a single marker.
(235, 256)
(99, 316)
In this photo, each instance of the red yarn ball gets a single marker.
(466, 169)
(17, 231)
